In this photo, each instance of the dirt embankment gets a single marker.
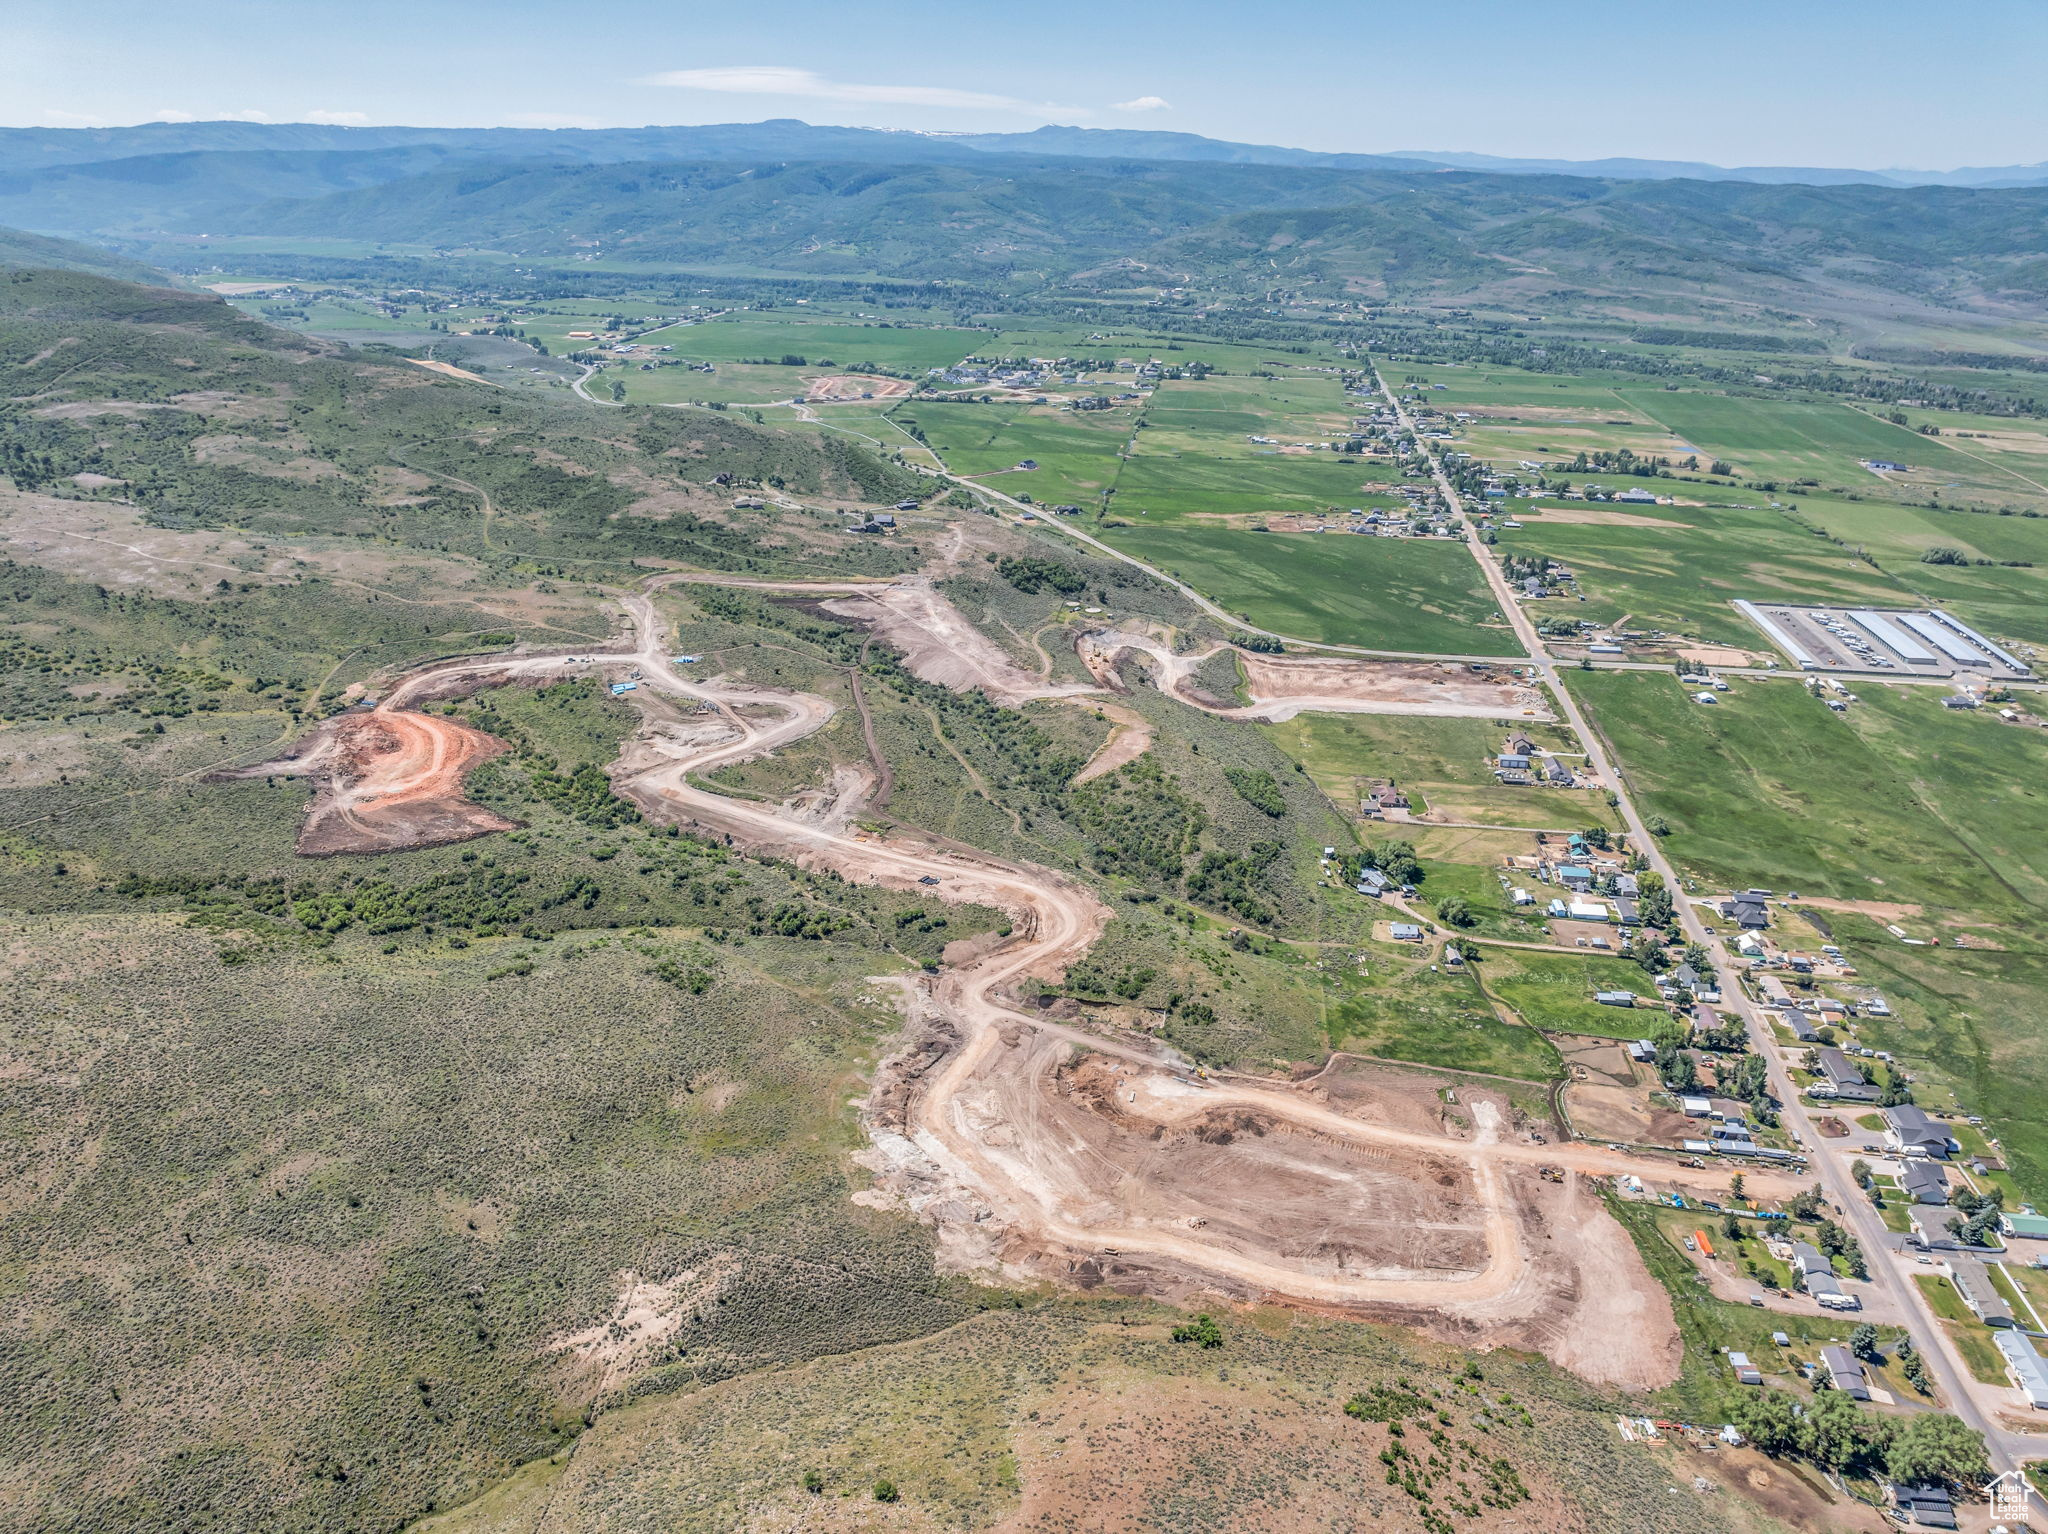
(940, 645)
(390, 779)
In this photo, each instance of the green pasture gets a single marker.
(1438, 1018)
(909, 349)
(1382, 593)
(733, 383)
(1158, 484)
(1447, 763)
(1826, 443)
(1076, 452)
(1554, 992)
(1769, 788)
(1160, 346)
(2007, 601)
(1678, 568)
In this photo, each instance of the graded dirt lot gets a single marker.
(1597, 517)
(940, 645)
(446, 369)
(1282, 686)
(856, 386)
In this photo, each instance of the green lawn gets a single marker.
(1384, 593)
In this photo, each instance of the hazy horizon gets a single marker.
(1606, 81)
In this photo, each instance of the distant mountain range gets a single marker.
(26, 150)
(1101, 208)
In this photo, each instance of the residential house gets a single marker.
(1574, 877)
(1748, 912)
(1801, 1026)
(1372, 882)
(1837, 1069)
(1924, 1182)
(1807, 1260)
(1845, 1373)
(1405, 932)
(1827, 1292)
(1642, 1051)
(1909, 1131)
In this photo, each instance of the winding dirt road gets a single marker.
(987, 1141)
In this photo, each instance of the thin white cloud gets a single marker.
(779, 80)
(1144, 104)
(179, 115)
(338, 119)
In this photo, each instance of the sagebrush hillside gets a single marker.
(204, 418)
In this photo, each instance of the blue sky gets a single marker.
(1791, 82)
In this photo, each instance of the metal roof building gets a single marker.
(1908, 649)
(2025, 1367)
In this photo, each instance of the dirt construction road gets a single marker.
(1040, 1149)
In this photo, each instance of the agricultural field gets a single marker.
(1078, 455)
(2002, 584)
(1241, 489)
(1771, 789)
(848, 345)
(1680, 568)
(1542, 417)
(1902, 813)
(1015, 338)
(1382, 593)
(1823, 445)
